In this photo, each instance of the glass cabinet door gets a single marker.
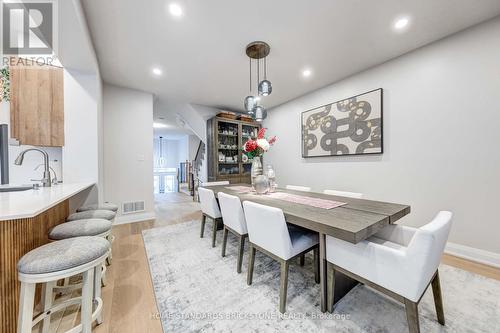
(228, 147)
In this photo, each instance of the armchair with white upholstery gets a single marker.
(209, 208)
(234, 221)
(268, 232)
(399, 261)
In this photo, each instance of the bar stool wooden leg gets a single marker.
(47, 298)
(26, 303)
(97, 290)
(86, 308)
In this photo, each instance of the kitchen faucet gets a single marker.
(46, 180)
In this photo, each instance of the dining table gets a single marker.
(353, 220)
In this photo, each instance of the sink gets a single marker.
(15, 188)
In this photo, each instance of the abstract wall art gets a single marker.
(352, 126)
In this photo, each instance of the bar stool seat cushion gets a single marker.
(78, 228)
(104, 206)
(64, 254)
(92, 214)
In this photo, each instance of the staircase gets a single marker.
(196, 168)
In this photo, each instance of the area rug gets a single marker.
(198, 290)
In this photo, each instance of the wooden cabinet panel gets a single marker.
(229, 144)
(37, 105)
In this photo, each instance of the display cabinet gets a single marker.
(225, 139)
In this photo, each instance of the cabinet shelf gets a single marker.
(235, 172)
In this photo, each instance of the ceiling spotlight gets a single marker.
(157, 71)
(306, 73)
(401, 23)
(175, 9)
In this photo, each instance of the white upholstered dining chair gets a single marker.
(234, 221)
(298, 188)
(399, 261)
(269, 233)
(344, 194)
(210, 209)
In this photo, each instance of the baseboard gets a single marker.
(131, 218)
(473, 254)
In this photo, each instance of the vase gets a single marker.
(261, 184)
(256, 169)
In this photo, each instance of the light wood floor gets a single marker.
(129, 303)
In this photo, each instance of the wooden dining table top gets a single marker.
(355, 221)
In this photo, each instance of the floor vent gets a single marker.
(133, 207)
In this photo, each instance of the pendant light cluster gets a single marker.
(258, 51)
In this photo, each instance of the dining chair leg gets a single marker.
(412, 316)
(203, 220)
(240, 253)
(251, 260)
(283, 285)
(331, 287)
(316, 264)
(214, 232)
(224, 241)
(438, 298)
(302, 259)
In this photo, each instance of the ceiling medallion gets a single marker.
(258, 51)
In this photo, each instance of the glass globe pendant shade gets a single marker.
(265, 88)
(250, 103)
(260, 113)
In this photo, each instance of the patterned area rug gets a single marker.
(198, 290)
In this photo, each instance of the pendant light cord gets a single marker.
(250, 62)
(265, 68)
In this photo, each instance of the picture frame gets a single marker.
(351, 126)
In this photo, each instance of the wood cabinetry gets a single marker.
(17, 238)
(37, 105)
(225, 139)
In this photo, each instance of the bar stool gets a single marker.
(59, 260)
(93, 214)
(96, 214)
(85, 227)
(104, 206)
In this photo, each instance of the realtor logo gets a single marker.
(28, 27)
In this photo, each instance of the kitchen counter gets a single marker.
(25, 220)
(27, 204)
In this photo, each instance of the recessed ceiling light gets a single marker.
(157, 71)
(306, 73)
(401, 23)
(159, 125)
(175, 9)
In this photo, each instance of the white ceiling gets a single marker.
(202, 53)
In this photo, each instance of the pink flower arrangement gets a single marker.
(259, 146)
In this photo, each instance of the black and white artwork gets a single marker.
(352, 126)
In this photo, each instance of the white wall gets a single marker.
(441, 136)
(81, 129)
(128, 148)
(193, 143)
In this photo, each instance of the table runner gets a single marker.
(305, 200)
(240, 189)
